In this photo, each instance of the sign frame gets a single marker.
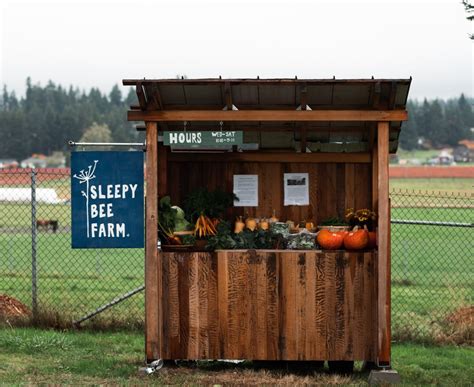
(107, 199)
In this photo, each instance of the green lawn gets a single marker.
(19, 214)
(33, 356)
(433, 184)
(421, 155)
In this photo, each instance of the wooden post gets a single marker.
(375, 174)
(153, 317)
(383, 314)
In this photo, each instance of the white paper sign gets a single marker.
(296, 189)
(246, 189)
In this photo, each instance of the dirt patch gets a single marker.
(239, 376)
(433, 172)
(11, 307)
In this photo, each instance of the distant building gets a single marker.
(464, 153)
(444, 158)
(35, 161)
(8, 163)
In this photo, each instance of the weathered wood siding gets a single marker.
(333, 187)
(269, 305)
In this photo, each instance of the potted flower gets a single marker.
(334, 225)
(363, 218)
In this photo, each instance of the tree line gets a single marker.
(437, 123)
(47, 117)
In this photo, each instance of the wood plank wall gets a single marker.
(269, 305)
(333, 186)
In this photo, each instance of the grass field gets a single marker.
(432, 269)
(33, 356)
(417, 154)
(433, 184)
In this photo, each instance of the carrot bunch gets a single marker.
(204, 227)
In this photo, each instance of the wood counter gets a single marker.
(269, 305)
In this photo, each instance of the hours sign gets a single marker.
(204, 139)
(107, 199)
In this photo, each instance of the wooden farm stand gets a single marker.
(272, 304)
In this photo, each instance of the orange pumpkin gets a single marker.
(372, 240)
(330, 240)
(356, 240)
(343, 233)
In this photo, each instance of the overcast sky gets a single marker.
(99, 42)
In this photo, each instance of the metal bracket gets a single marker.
(385, 366)
(73, 144)
(152, 367)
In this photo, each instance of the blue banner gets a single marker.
(107, 199)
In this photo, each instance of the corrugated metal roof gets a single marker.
(333, 94)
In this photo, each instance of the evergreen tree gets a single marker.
(409, 133)
(115, 96)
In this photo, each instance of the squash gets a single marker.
(309, 226)
(251, 224)
(239, 225)
(273, 219)
(356, 240)
(329, 240)
(263, 224)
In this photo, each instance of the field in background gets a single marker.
(464, 185)
(33, 356)
(417, 154)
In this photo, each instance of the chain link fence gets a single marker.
(433, 266)
(38, 266)
(432, 261)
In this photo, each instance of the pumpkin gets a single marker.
(251, 224)
(329, 240)
(372, 240)
(239, 225)
(263, 225)
(356, 240)
(343, 233)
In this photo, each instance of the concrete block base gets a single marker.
(384, 377)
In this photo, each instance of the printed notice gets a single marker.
(296, 189)
(246, 189)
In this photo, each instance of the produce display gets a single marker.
(303, 240)
(329, 240)
(203, 225)
(356, 240)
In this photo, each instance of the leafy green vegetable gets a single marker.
(181, 224)
(226, 239)
(166, 215)
(210, 203)
(334, 221)
(188, 239)
(223, 239)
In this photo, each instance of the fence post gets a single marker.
(34, 289)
